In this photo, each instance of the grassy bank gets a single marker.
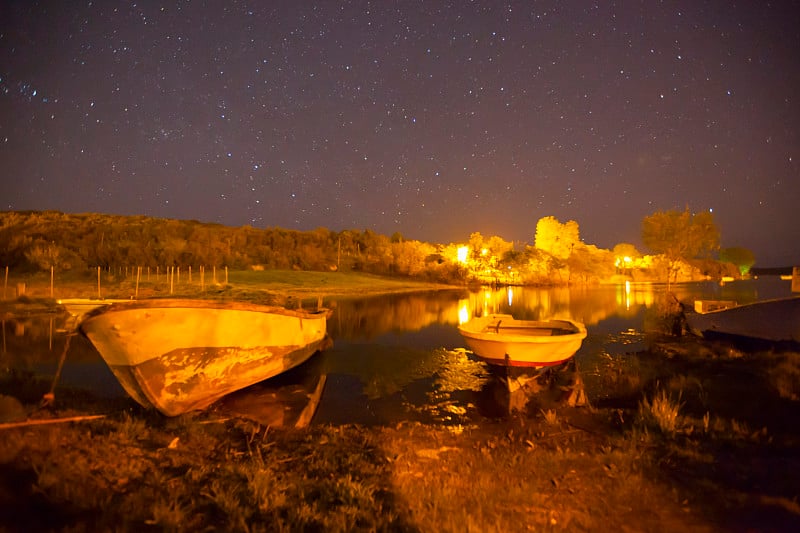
(264, 285)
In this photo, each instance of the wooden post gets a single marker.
(190, 274)
(51, 280)
(171, 277)
(214, 273)
(5, 284)
(178, 279)
(138, 275)
(202, 278)
(226, 275)
(98, 283)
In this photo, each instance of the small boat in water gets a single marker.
(503, 340)
(179, 355)
(775, 320)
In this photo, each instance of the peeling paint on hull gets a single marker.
(183, 355)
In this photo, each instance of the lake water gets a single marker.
(400, 357)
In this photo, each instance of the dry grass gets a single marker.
(661, 412)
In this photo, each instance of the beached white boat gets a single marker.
(179, 355)
(503, 340)
(775, 320)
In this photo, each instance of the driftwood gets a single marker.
(46, 421)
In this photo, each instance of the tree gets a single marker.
(741, 257)
(680, 236)
(624, 255)
(556, 238)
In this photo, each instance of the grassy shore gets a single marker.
(272, 286)
(686, 435)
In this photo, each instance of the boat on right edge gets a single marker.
(775, 320)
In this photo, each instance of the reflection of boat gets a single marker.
(771, 320)
(288, 400)
(512, 389)
(503, 340)
(179, 355)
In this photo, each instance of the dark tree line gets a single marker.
(35, 240)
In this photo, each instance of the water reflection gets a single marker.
(288, 400)
(588, 305)
(401, 357)
(371, 317)
(367, 318)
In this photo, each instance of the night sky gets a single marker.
(432, 119)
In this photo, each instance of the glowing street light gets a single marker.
(462, 254)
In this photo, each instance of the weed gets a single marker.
(170, 515)
(739, 428)
(131, 429)
(266, 487)
(785, 377)
(228, 500)
(661, 412)
(550, 417)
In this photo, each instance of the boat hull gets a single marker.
(502, 340)
(183, 355)
(769, 320)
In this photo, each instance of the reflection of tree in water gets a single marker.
(32, 339)
(370, 317)
(589, 305)
(39, 340)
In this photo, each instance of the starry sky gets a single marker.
(432, 119)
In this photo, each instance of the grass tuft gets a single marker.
(661, 412)
(550, 417)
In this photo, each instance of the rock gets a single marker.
(11, 410)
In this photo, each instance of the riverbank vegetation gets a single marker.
(685, 247)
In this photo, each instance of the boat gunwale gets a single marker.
(193, 303)
(745, 305)
(490, 333)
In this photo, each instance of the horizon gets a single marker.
(464, 240)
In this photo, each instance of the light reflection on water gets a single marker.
(400, 357)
